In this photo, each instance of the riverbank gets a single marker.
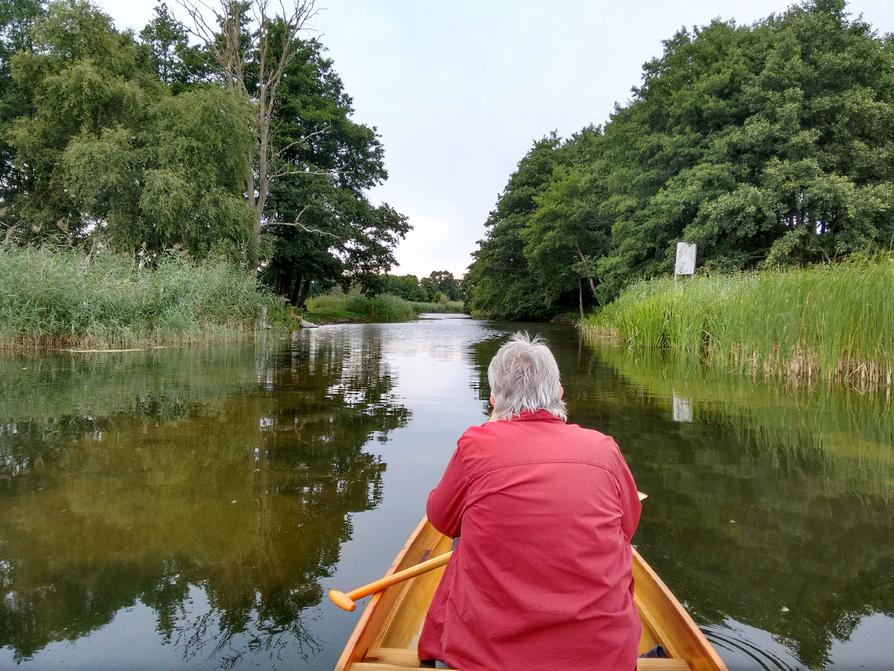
(833, 323)
(355, 307)
(64, 298)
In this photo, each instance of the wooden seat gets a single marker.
(400, 659)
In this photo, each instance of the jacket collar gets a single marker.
(535, 416)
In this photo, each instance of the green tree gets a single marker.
(767, 144)
(322, 229)
(109, 152)
(16, 19)
(441, 283)
(500, 283)
(175, 61)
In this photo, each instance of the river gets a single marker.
(190, 508)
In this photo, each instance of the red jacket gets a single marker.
(541, 578)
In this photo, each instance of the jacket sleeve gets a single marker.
(446, 502)
(631, 507)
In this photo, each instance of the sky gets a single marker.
(459, 91)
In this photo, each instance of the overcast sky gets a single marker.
(459, 90)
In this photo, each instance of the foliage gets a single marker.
(767, 145)
(16, 20)
(139, 145)
(439, 286)
(834, 321)
(357, 307)
(65, 297)
(502, 285)
(439, 307)
(108, 152)
(322, 228)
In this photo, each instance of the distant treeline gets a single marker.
(229, 135)
(439, 286)
(768, 145)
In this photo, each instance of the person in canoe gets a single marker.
(541, 578)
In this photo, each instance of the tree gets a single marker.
(441, 282)
(769, 144)
(329, 232)
(108, 151)
(16, 19)
(569, 231)
(252, 50)
(175, 61)
(500, 283)
(81, 78)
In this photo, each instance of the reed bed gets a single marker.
(355, 307)
(431, 306)
(61, 297)
(833, 323)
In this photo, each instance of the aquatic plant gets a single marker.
(834, 322)
(355, 307)
(65, 297)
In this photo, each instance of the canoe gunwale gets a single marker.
(352, 651)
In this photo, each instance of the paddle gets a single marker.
(346, 601)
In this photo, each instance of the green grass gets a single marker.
(449, 306)
(355, 307)
(834, 322)
(62, 297)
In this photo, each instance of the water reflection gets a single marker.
(214, 492)
(189, 503)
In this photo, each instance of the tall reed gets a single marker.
(64, 297)
(834, 322)
(381, 308)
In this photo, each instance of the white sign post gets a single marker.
(685, 259)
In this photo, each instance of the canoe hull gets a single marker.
(386, 635)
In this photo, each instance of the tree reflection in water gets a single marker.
(213, 486)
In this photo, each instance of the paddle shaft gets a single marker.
(346, 601)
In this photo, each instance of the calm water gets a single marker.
(190, 508)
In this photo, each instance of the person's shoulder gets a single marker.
(475, 433)
(594, 438)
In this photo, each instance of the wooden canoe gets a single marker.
(386, 635)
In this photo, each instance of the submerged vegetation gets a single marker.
(62, 297)
(833, 322)
(767, 144)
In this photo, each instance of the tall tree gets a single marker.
(499, 280)
(321, 226)
(175, 61)
(768, 144)
(107, 151)
(16, 19)
(253, 46)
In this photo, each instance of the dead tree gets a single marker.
(251, 35)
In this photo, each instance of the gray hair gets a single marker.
(524, 375)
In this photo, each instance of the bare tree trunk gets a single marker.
(224, 36)
(305, 292)
(580, 297)
(583, 261)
